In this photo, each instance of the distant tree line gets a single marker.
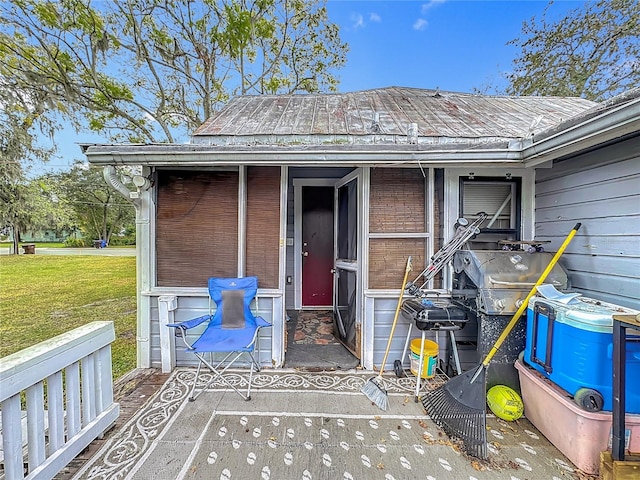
(78, 203)
(140, 71)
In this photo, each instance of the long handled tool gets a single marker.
(459, 406)
(374, 387)
(463, 233)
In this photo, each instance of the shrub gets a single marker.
(74, 242)
(126, 240)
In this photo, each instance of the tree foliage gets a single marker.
(99, 211)
(154, 70)
(21, 121)
(593, 52)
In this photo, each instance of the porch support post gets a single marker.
(167, 304)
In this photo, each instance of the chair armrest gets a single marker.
(261, 322)
(187, 324)
(182, 327)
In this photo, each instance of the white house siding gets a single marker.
(600, 189)
(194, 305)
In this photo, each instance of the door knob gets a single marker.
(305, 254)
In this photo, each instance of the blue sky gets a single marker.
(448, 44)
(451, 44)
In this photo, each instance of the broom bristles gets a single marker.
(376, 393)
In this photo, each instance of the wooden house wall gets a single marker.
(600, 189)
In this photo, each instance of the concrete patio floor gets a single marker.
(306, 425)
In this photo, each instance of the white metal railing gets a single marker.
(67, 387)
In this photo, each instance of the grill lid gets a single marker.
(500, 269)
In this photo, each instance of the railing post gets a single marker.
(167, 304)
(12, 438)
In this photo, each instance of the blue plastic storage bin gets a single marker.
(572, 345)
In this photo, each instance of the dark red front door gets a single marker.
(317, 246)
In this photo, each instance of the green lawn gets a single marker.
(57, 245)
(44, 296)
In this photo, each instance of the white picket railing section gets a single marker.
(68, 392)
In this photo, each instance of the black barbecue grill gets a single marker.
(434, 316)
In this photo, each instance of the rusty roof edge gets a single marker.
(605, 122)
(314, 140)
(609, 120)
(619, 101)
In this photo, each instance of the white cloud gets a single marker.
(357, 21)
(420, 24)
(430, 4)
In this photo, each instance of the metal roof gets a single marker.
(384, 116)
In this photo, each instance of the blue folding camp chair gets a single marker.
(231, 329)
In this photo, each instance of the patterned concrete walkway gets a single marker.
(310, 426)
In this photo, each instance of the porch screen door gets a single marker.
(346, 277)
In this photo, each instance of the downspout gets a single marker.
(143, 322)
(109, 174)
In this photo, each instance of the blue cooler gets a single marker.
(571, 343)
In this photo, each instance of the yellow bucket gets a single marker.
(429, 361)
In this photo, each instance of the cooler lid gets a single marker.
(585, 313)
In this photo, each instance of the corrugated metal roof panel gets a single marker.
(385, 112)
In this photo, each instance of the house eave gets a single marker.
(582, 133)
(172, 155)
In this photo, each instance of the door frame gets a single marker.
(362, 224)
(298, 183)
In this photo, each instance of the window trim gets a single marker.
(516, 207)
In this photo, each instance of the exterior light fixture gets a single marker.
(141, 182)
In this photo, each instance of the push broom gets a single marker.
(459, 406)
(374, 387)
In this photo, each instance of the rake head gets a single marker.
(459, 408)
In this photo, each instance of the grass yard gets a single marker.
(44, 296)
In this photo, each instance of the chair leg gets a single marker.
(255, 364)
(192, 397)
(217, 373)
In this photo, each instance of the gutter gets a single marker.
(567, 140)
(176, 155)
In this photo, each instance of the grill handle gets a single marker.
(511, 284)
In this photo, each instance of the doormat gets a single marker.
(308, 426)
(314, 327)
